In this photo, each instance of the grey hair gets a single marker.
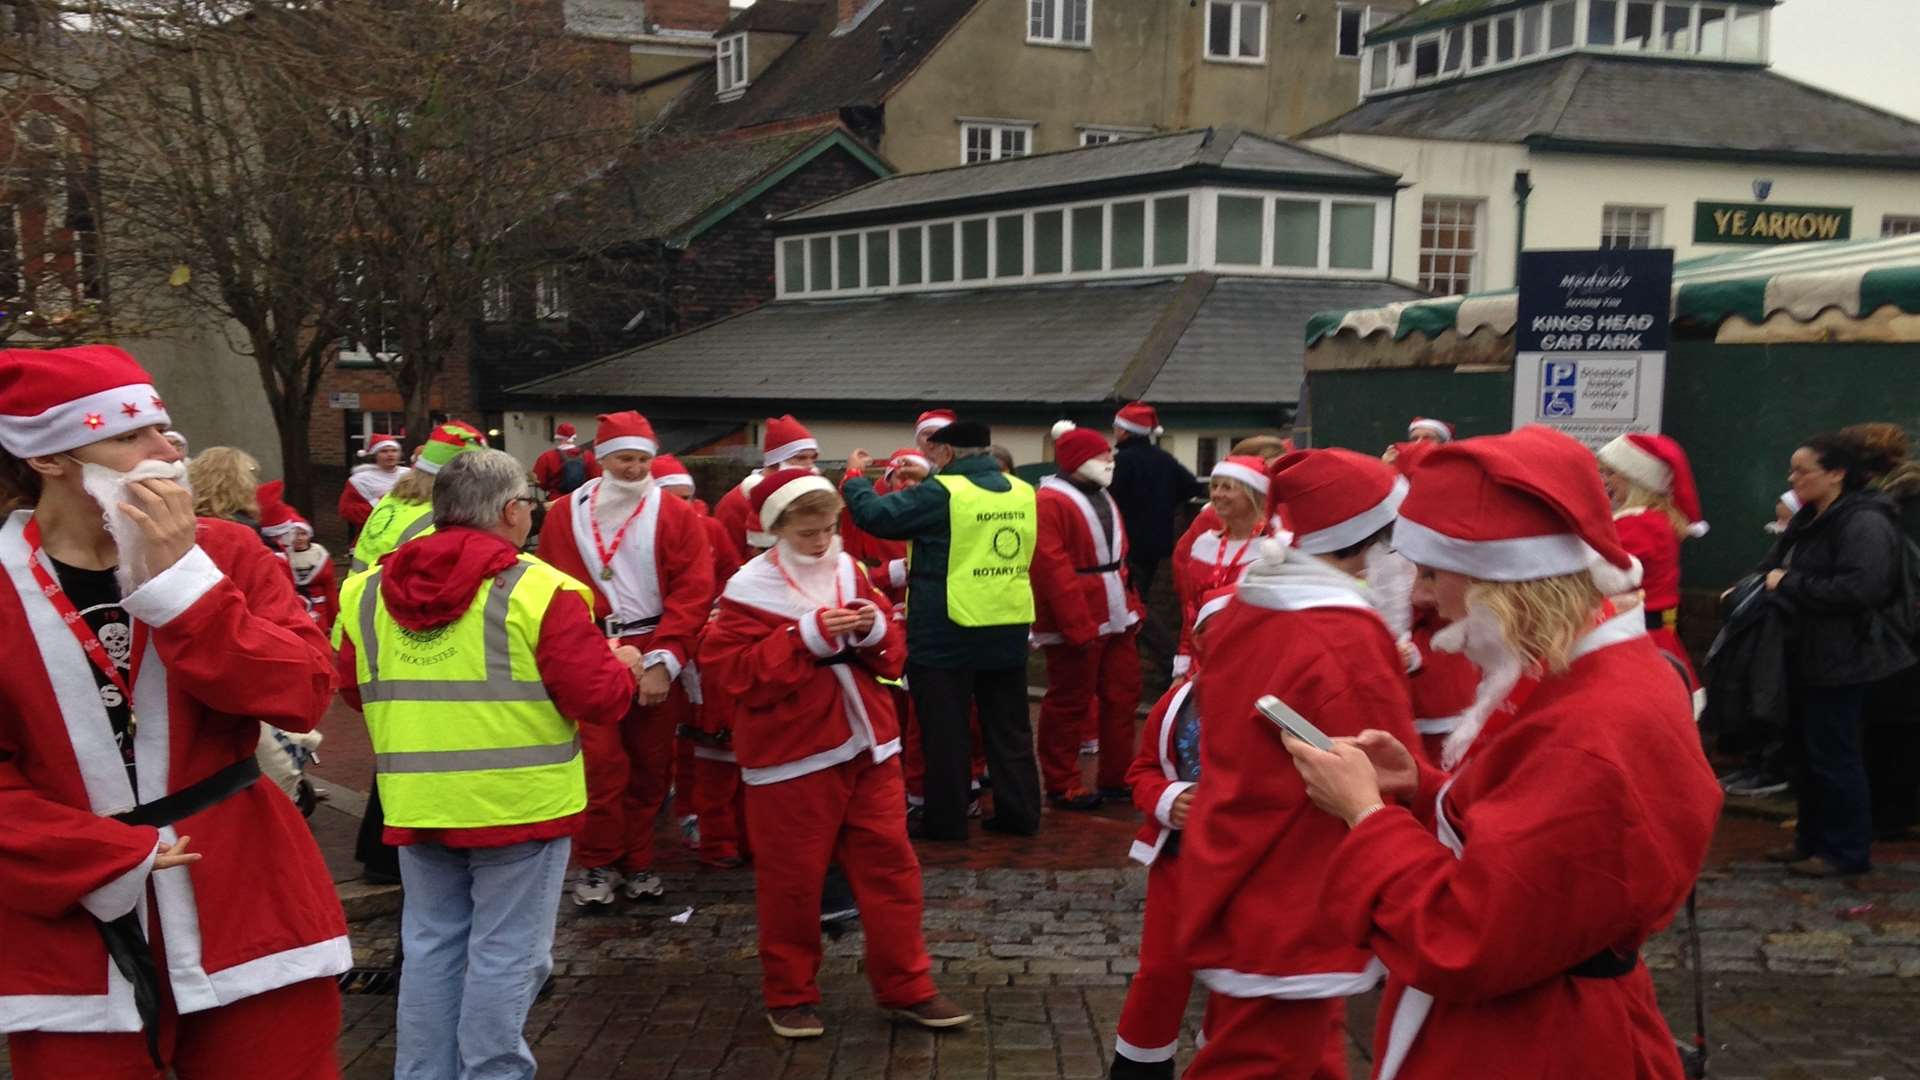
(475, 487)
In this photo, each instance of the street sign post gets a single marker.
(1591, 341)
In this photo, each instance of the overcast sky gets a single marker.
(1862, 48)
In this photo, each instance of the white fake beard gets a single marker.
(109, 489)
(617, 498)
(1390, 588)
(814, 573)
(1479, 638)
(1096, 472)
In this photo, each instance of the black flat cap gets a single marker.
(963, 433)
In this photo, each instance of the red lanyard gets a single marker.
(89, 641)
(839, 598)
(607, 553)
(1220, 556)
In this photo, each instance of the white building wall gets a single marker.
(213, 392)
(1571, 191)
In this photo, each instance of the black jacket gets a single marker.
(1746, 670)
(1150, 486)
(1843, 570)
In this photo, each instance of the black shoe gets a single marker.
(1005, 828)
(1117, 794)
(1125, 1068)
(1075, 799)
(917, 830)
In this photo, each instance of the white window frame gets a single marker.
(1365, 11)
(550, 294)
(730, 58)
(997, 132)
(1477, 268)
(1239, 8)
(1060, 23)
(1103, 134)
(1618, 220)
(1896, 225)
(496, 300)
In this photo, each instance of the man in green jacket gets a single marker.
(969, 606)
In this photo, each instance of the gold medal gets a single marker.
(606, 573)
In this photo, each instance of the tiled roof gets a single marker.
(1210, 151)
(1186, 340)
(670, 189)
(1679, 107)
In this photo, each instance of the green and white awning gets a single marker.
(1857, 277)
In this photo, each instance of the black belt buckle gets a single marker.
(844, 656)
(616, 628)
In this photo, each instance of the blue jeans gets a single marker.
(477, 931)
(1836, 807)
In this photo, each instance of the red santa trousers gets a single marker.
(719, 801)
(1107, 671)
(1272, 1039)
(1157, 997)
(629, 772)
(853, 814)
(684, 779)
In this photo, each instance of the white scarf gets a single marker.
(109, 489)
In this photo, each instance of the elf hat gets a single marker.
(668, 471)
(772, 495)
(624, 431)
(55, 400)
(377, 443)
(932, 420)
(448, 441)
(1139, 418)
(1245, 468)
(1335, 498)
(785, 437)
(908, 456)
(277, 519)
(1432, 427)
(1076, 448)
(1657, 463)
(1515, 507)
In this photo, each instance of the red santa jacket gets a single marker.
(867, 549)
(1205, 560)
(712, 720)
(366, 485)
(736, 515)
(803, 700)
(229, 646)
(1442, 685)
(317, 585)
(662, 585)
(1575, 825)
(1649, 536)
(1154, 775)
(1080, 588)
(1254, 848)
(550, 467)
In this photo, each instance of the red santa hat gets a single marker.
(1246, 468)
(773, 494)
(624, 431)
(277, 519)
(932, 420)
(55, 400)
(378, 442)
(1076, 448)
(1212, 603)
(1139, 418)
(1061, 427)
(785, 437)
(564, 433)
(1406, 455)
(1657, 463)
(1515, 507)
(669, 471)
(908, 456)
(1335, 498)
(1432, 427)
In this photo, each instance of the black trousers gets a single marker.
(942, 701)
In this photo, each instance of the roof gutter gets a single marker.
(1784, 156)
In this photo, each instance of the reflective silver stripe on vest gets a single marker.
(439, 761)
(356, 566)
(499, 685)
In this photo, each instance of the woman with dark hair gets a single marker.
(1891, 738)
(1839, 563)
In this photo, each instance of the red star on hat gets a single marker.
(129, 409)
(94, 420)
(157, 403)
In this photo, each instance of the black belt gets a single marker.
(1103, 568)
(631, 628)
(844, 656)
(1605, 964)
(718, 739)
(126, 944)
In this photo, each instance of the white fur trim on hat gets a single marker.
(786, 450)
(1437, 427)
(1625, 457)
(379, 446)
(910, 459)
(625, 442)
(1061, 427)
(1356, 528)
(1124, 424)
(778, 502)
(1211, 608)
(71, 425)
(681, 480)
(931, 423)
(1233, 470)
(1524, 558)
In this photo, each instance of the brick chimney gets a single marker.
(707, 15)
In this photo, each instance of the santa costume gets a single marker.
(1205, 559)
(784, 438)
(1167, 766)
(1427, 429)
(550, 468)
(1085, 619)
(929, 422)
(1255, 848)
(367, 484)
(132, 712)
(1658, 465)
(314, 579)
(879, 555)
(1441, 683)
(1509, 898)
(817, 738)
(644, 554)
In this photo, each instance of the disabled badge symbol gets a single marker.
(1559, 379)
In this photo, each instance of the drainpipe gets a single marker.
(1522, 187)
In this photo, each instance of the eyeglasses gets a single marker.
(530, 500)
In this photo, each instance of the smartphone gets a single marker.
(1293, 723)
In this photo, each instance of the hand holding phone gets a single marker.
(1291, 722)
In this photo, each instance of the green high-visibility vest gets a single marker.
(990, 552)
(392, 523)
(464, 734)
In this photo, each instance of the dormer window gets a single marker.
(732, 58)
(1060, 22)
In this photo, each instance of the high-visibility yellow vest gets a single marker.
(392, 523)
(990, 552)
(464, 734)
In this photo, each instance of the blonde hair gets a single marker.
(1640, 498)
(416, 486)
(1254, 498)
(813, 502)
(225, 482)
(1541, 619)
(1260, 446)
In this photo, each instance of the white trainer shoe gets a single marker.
(644, 887)
(596, 886)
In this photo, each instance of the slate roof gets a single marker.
(1158, 161)
(1628, 104)
(1192, 340)
(822, 73)
(671, 189)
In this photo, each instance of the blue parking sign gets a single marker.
(1559, 382)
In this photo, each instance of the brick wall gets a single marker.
(689, 14)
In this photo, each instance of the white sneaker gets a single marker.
(1090, 747)
(596, 885)
(644, 887)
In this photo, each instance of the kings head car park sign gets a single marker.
(1760, 223)
(1591, 341)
